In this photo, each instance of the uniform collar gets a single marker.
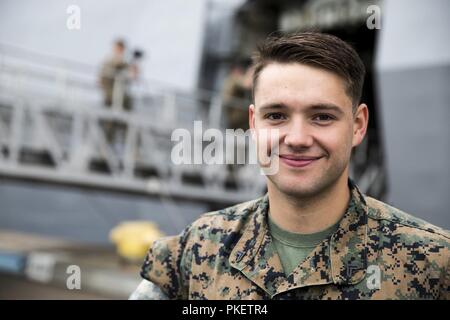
(340, 260)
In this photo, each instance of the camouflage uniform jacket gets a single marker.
(377, 252)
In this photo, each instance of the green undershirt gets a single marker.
(293, 248)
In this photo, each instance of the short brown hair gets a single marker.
(314, 49)
(120, 43)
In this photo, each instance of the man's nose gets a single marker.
(298, 135)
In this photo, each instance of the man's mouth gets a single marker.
(298, 161)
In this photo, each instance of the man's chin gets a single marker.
(305, 186)
(298, 189)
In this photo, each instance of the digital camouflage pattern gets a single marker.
(378, 252)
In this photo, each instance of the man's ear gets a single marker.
(251, 116)
(360, 122)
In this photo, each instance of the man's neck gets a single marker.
(309, 215)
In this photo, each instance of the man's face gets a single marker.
(119, 50)
(317, 128)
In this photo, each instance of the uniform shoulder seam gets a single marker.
(248, 204)
(239, 210)
(393, 217)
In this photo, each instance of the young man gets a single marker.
(314, 235)
(115, 74)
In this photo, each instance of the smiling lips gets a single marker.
(298, 161)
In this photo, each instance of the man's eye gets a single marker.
(323, 118)
(274, 116)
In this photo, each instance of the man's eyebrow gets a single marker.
(272, 106)
(314, 107)
(326, 106)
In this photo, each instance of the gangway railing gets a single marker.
(55, 128)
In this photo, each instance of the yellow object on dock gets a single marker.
(134, 238)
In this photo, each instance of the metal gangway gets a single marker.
(53, 128)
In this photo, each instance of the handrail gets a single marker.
(42, 59)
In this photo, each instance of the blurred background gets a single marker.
(90, 93)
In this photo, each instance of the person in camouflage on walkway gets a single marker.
(314, 235)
